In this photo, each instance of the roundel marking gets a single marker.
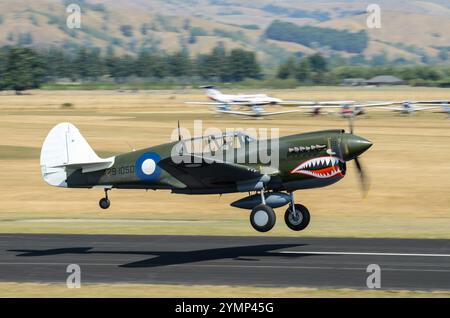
(146, 166)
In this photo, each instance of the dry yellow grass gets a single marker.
(408, 167)
(182, 291)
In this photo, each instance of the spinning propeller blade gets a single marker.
(363, 178)
(364, 181)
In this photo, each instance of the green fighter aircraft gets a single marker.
(305, 161)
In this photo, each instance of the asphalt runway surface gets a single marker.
(409, 264)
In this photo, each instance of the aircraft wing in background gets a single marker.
(256, 114)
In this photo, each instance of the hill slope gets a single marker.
(411, 30)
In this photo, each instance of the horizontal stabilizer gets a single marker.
(88, 166)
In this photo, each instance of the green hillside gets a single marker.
(412, 31)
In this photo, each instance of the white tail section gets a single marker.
(65, 148)
(212, 92)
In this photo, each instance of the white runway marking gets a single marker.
(365, 253)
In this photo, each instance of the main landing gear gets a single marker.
(263, 218)
(104, 203)
(297, 216)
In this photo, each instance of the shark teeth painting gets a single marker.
(321, 167)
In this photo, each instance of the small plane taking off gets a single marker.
(218, 98)
(255, 102)
(308, 160)
(255, 99)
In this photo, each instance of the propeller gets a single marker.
(179, 131)
(363, 178)
(350, 124)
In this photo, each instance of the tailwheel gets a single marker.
(104, 203)
(262, 218)
(297, 219)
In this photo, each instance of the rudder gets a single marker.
(64, 146)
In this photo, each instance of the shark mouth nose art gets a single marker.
(322, 167)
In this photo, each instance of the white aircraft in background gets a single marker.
(409, 107)
(346, 109)
(445, 108)
(405, 107)
(256, 102)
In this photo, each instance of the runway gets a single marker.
(408, 264)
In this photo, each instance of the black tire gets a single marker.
(299, 223)
(104, 203)
(262, 218)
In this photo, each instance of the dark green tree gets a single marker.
(179, 64)
(150, 65)
(303, 71)
(317, 63)
(243, 65)
(22, 69)
(88, 64)
(287, 69)
(120, 68)
(213, 66)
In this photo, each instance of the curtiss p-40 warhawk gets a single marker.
(308, 160)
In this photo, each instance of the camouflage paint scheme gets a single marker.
(308, 160)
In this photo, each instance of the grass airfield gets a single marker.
(408, 167)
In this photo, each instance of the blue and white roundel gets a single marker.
(146, 166)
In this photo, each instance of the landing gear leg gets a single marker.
(297, 216)
(104, 202)
(262, 217)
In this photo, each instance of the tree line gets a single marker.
(23, 68)
(317, 70)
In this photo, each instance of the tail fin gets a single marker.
(65, 148)
(212, 91)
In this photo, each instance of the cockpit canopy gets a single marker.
(213, 143)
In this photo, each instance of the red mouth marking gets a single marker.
(322, 168)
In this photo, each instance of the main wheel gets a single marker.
(104, 203)
(262, 218)
(297, 221)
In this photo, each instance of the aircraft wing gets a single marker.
(255, 114)
(349, 103)
(294, 102)
(426, 107)
(372, 105)
(204, 103)
(320, 106)
(399, 108)
(336, 102)
(423, 101)
(393, 108)
(203, 172)
(228, 103)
